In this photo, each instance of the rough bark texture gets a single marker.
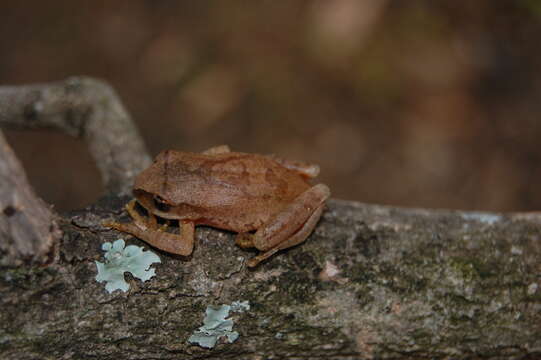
(85, 108)
(371, 282)
(28, 227)
(411, 284)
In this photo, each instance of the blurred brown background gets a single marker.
(413, 103)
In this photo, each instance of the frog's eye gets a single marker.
(160, 203)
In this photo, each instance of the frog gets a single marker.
(268, 201)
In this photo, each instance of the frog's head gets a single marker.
(180, 185)
(163, 188)
(149, 194)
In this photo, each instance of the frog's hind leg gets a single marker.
(289, 227)
(295, 239)
(220, 149)
(307, 170)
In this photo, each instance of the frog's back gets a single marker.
(235, 176)
(235, 191)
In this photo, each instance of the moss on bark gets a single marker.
(371, 282)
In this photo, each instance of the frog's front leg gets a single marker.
(148, 231)
(288, 228)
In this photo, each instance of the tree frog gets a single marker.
(268, 201)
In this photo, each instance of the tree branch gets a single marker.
(370, 282)
(86, 108)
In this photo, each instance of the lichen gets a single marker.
(240, 306)
(216, 325)
(486, 218)
(120, 259)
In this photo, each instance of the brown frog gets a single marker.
(228, 190)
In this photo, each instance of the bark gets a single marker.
(371, 282)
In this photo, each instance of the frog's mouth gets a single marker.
(156, 205)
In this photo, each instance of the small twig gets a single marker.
(85, 108)
(27, 225)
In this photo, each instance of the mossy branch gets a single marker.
(371, 282)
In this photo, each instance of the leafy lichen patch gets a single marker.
(120, 259)
(217, 325)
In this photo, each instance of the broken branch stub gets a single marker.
(28, 227)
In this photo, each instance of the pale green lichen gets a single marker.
(120, 259)
(216, 325)
(487, 218)
(240, 306)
